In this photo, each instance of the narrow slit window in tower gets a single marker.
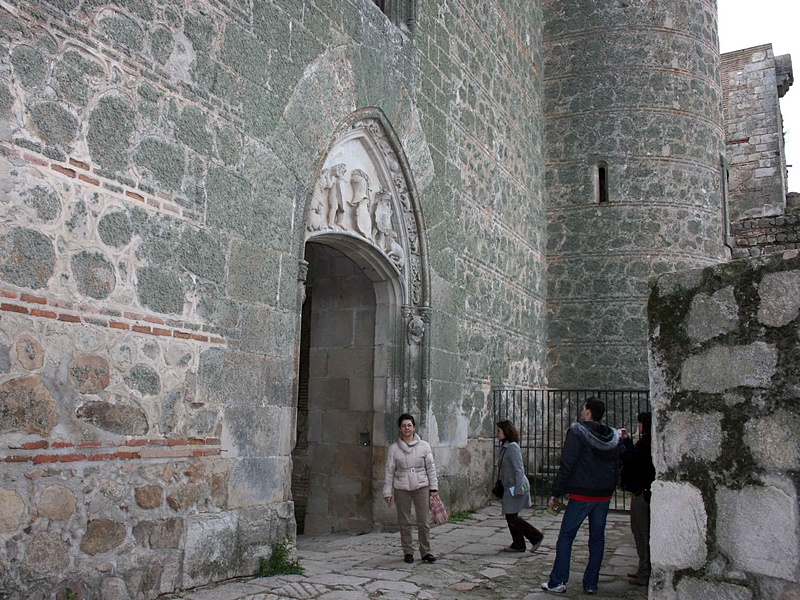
(602, 182)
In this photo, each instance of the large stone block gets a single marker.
(12, 511)
(724, 367)
(774, 440)
(692, 589)
(26, 405)
(692, 435)
(710, 316)
(780, 298)
(679, 542)
(210, 548)
(758, 528)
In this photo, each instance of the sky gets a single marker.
(748, 23)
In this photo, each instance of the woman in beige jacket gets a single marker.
(411, 479)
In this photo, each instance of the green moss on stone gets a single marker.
(45, 202)
(192, 130)
(160, 290)
(203, 254)
(144, 380)
(200, 30)
(29, 66)
(122, 30)
(94, 274)
(161, 44)
(115, 229)
(166, 162)
(110, 129)
(228, 145)
(27, 258)
(55, 123)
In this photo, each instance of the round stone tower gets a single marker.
(634, 141)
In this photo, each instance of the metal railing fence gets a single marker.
(543, 418)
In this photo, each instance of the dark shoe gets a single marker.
(637, 581)
(409, 558)
(429, 558)
(535, 545)
(590, 592)
(633, 575)
(513, 549)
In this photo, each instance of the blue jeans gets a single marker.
(574, 516)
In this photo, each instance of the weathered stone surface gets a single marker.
(111, 125)
(690, 588)
(680, 540)
(102, 535)
(149, 496)
(160, 290)
(94, 274)
(724, 367)
(30, 353)
(210, 547)
(12, 511)
(692, 435)
(55, 123)
(758, 528)
(115, 229)
(114, 588)
(89, 374)
(29, 65)
(165, 162)
(710, 316)
(167, 533)
(26, 405)
(122, 419)
(56, 502)
(773, 440)
(780, 298)
(44, 202)
(144, 379)
(46, 554)
(27, 258)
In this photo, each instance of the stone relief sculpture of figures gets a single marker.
(315, 220)
(331, 180)
(361, 202)
(383, 218)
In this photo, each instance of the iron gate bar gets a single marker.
(543, 417)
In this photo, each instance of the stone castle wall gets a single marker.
(157, 161)
(633, 90)
(724, 351)
(753, 81)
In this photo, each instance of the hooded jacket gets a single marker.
(409, 467)
(589, 461)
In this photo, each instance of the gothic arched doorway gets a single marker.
(363, 347)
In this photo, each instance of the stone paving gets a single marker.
(470, 565)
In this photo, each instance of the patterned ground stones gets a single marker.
(102, 535)
(56, 503)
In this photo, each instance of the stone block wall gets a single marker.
(765, 235)
(753, 81)
(157, 161)
(632, 90)
(725, 387)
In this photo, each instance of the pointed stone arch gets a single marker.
(363, 205)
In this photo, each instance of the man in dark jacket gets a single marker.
(638, 474)
(588, 473)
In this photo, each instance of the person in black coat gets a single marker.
(638, 474)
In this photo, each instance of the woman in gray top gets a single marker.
(516, 489)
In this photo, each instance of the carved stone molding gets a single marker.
(362, 191)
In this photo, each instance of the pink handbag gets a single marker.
(438, 511)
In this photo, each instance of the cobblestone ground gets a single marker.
(470, 565)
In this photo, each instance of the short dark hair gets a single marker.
(406, 417)
(646, 419)
(596, 407)
(509, 431)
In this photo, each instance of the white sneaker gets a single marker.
(559, 589)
